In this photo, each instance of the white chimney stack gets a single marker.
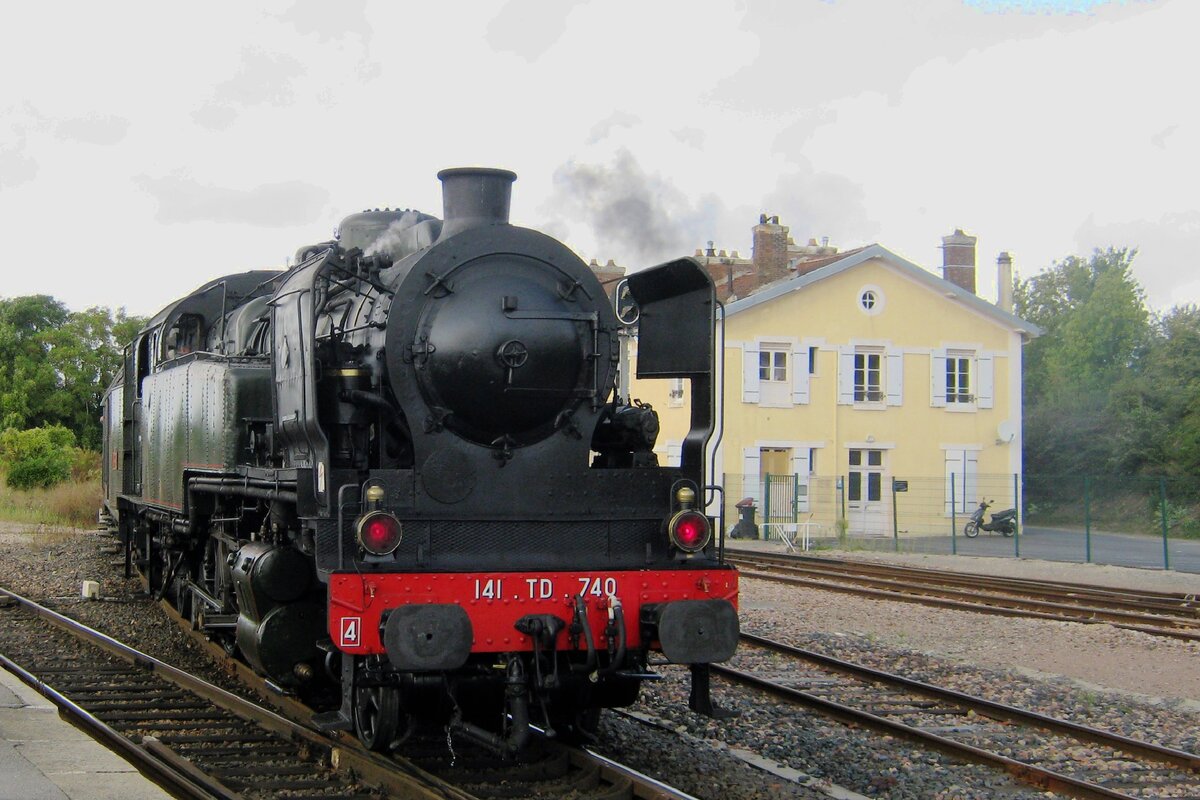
(1004, 282)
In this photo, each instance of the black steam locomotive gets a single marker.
(397, 475)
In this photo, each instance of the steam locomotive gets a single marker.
(397, 478)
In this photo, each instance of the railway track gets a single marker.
(200, 741)
(1045, 752)
(1174, 615)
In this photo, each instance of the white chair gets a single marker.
(788, 532)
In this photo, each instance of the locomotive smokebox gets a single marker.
(474, 196)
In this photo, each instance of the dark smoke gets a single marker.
(639, 218)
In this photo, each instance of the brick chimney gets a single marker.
(958, 259)
(770, 249)
(1004, 282)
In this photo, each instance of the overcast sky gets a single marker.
(148, 147)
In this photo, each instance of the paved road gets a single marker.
(1055, 544)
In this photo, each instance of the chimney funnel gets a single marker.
(1004, 282)
(474, 196)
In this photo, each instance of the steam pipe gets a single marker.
(619, 657)
(581, 616)
(262, 490)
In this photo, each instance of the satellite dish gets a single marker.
(1005, 432)
(624, 304)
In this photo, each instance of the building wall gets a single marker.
(910, 329)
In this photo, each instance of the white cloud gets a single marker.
(264, 123)
(1167, 248)
(272, 205)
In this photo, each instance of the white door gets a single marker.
(864, 493)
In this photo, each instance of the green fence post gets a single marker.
(1017, 517)
(842, 493)
(895, 520)
(953, 517)
(1162, 486)
(765, 530)
(1087, 519)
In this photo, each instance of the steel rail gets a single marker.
(989, 708)
(1185, 605)
(403, 779)
(931, 598)
(165, 773)
(988, 598)
(1031, 774)
(642, 787)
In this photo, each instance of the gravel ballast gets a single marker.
(1140, 685)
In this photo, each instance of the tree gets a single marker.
(27, 378)
(39, 457)
(55, 364)
(86, 353)
(1095, 320)
(1157, 404)
(1096, 327)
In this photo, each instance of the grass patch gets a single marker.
(1122, 511)
(73, 503)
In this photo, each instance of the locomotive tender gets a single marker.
(396, 478)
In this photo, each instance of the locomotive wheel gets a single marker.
(377, 716)
(970, 530)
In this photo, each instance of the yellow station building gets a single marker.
(861, 393)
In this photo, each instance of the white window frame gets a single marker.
(795, 354)
(981, 377)
(877, 300)
(864, 470)
(891, 378)
(776, 363)
(867, 392)
(959, 372)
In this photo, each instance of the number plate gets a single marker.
(531, 588)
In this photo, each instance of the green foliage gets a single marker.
(38, 457)
(1156, 406)
(55, 364)
(1095, 320)
(1097, 329)
(1183, 521)
(1111, 389)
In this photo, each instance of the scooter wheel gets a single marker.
(970, 530)
(1006, 531)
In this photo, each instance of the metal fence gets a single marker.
(1128, 521)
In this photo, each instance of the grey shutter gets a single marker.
(984, 382)
(895, 377)
(846, 376)
(937, 378)
(750, 393)
(800, 375)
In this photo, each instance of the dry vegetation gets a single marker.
(73, 503)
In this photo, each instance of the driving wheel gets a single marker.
(377, 716)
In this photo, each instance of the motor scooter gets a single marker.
(1002, 522)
